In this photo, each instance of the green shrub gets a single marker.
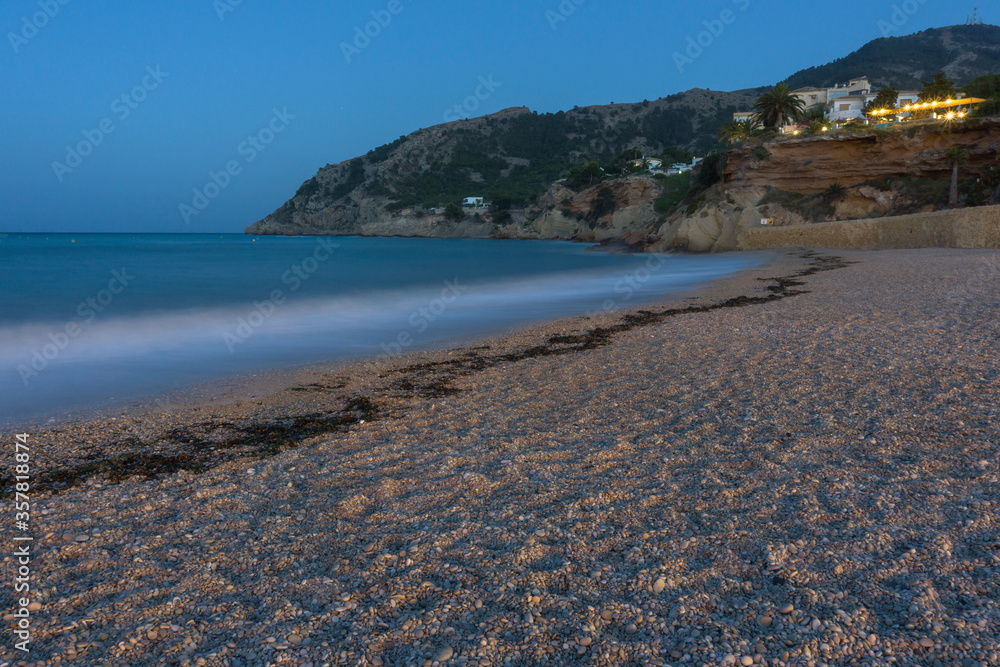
(810, 206)
(990, 107)
(710, 171)
(603, 204)
(675, 191)
(308, 189)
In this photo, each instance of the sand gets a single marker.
(796, 466)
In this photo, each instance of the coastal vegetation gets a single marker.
(986, 88)
(777, 107)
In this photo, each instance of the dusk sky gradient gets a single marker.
(225, 77)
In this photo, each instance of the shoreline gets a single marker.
(275, 395)
(262, 382)
(794, 466)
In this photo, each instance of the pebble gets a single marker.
(607, 614)
(444, 654)
(788, 608)
(927, 642)
(746, 661)
(765, 621)
(660, 584)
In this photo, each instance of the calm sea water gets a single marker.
(98, 320)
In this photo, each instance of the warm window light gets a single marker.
(825, 129)
(951, 115)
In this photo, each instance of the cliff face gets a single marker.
(812, 164)
(883, 174)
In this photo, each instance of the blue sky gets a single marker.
(162, 96)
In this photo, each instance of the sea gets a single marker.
(97, 322)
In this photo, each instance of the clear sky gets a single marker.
(152, 98)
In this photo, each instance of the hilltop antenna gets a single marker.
(975, 20)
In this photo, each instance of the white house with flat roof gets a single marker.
(811, 96)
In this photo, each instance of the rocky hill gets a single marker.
(513, 157)
(962, 52)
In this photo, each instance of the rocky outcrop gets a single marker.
(812, 164)
(582, 216)
(619, 210)
(716, 226)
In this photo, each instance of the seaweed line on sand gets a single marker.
(206, 444)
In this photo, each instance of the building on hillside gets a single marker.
(681, 168)
(474, 202)
(846, 108)
(812, 96)
(906, 98)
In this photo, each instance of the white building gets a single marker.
(847, 108)
(474, 202)
(852, 107)
(681, 168)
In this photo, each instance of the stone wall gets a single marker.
(977, 227)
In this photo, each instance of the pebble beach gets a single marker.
(797, 465)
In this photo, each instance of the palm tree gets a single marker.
(955, 155)
(736, 131)
(778, 105)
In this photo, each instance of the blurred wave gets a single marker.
(159, 343)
